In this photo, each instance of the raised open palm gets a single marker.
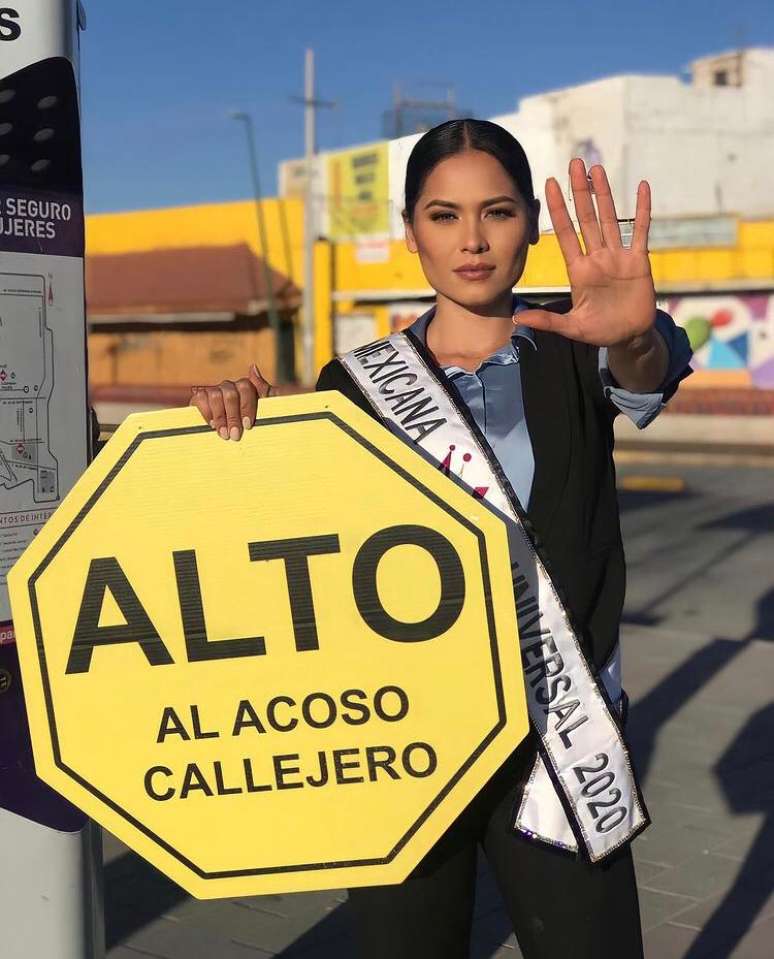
(613, 297)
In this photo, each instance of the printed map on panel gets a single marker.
(26, 383)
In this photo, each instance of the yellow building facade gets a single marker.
(723, 295)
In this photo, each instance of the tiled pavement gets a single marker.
(699, 660)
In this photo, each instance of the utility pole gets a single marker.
(310, 149)
(274, 320)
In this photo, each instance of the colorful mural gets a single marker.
(732, 336)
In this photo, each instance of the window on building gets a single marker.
(720, 78)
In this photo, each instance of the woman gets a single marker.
(537, 390)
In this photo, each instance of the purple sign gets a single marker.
(38, 221)
(21, 791)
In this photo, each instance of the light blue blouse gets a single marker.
(493, 394)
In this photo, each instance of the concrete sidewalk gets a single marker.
(698, 434)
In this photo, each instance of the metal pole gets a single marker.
(274, 320)
(310, 224)
(286, 240)
(307, 339)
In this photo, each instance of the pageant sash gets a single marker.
(582, 791)
(541, 815)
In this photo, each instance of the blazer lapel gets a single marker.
(546, 409)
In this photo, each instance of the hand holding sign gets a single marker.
(231, 406)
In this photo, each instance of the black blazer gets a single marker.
(573, 505)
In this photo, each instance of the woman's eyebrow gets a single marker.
(456, 206)
(500, 199)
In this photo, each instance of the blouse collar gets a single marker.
(507, 354)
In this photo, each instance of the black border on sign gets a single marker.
(301, 867)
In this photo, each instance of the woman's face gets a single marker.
(470, 212)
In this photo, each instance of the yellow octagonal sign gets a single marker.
(275, 665)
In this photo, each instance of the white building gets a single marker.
(706, 146)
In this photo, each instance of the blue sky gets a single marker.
(159, 78)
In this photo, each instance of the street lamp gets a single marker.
(274, 320)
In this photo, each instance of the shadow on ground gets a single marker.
(136, 893)
(746, 772)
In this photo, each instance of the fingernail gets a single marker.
(234, 433)
(212, 424)
(246, 422)
(223, 433)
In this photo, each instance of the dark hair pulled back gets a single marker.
(456, 136)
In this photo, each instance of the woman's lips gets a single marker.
(475, 274)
